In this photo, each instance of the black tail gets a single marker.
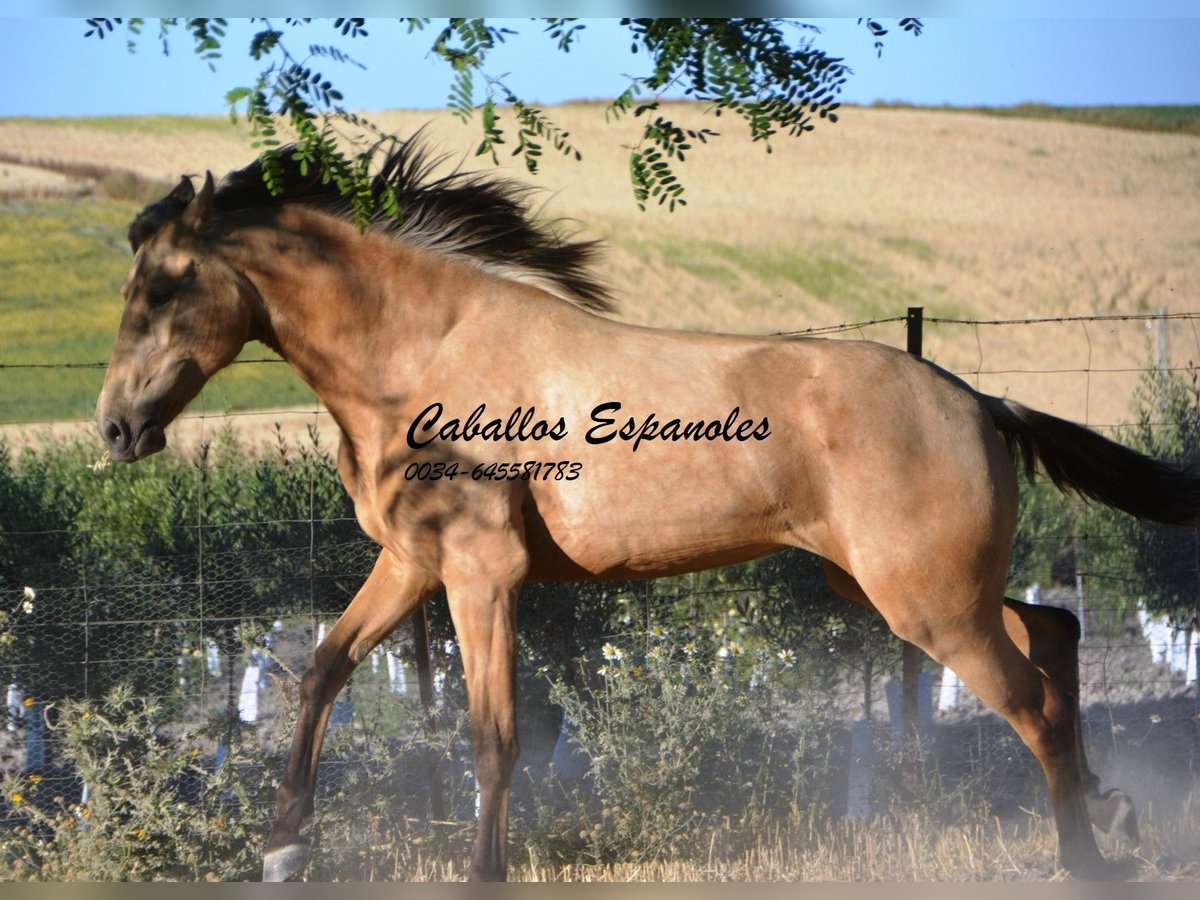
(1078, 459)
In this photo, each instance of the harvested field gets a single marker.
(969, 215)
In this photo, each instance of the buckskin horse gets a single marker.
(497, 426)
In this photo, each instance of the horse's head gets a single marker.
(188, 313)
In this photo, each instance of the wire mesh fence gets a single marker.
(206, 579)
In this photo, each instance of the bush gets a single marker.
(153, 811)
(1167, 406)
(680, 747)
(1123, 559)
(135, 562)
(159, 808)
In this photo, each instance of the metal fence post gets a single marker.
(910, 654)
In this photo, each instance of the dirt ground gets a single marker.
(256, 428)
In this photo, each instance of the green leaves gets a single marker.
(207, 34)
(563, 32)
(912, 26)
(533, 130)
(766, 72)
(351, 27)
(650, 170)
(98, 28)
(1166, 558)
(264, 43)
(464, 44)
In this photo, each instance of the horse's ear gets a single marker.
(159, 213)
(183, 191)
(199, 210)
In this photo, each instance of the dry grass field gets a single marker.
(968, 215)
(905, 848)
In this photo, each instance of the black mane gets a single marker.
(467, 214)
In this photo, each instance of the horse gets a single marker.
(500, 424)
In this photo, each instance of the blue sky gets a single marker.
(959, 61)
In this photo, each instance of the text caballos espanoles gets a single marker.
(605, 424)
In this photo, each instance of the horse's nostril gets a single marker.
(113, 434)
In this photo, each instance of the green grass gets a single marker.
(62, 263)
(918, 250)
(695, 257)
(862, 288)
(125, 124)
(1173, 119)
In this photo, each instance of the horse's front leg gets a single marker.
(484, 610)
(391, 593)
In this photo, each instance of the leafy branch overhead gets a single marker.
(768, 73)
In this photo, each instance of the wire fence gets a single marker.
(211, 603)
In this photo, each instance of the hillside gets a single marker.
(969, 215)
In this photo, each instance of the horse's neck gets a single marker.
(357, 316)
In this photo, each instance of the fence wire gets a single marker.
(219, 616)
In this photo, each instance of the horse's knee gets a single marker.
(495, 758)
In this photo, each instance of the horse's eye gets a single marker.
(160, 296)
(163, 289)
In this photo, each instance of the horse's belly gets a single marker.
(637, 540)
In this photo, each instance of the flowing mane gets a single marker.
(468, 215)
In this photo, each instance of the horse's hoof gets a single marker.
(1113, 813)
(1126, 821)
(282, 863)
(1096, 871)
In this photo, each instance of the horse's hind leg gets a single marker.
(976, 645)
(390, 595)
(964, 628)
(1049, 636)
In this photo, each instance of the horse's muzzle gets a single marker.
(129, 441)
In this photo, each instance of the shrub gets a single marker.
(153, 811)
(680, 747)
(157, 808)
